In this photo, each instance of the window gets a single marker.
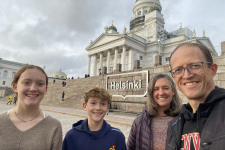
(145, 11)
(3, 83)
(13, 74)
(62, 76)
(111, 69)
(139, 13)
(56, 76)
(5, 74)
(141, 58)
(167, 58)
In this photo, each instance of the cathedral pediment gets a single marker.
(104, 39)
(206, 41)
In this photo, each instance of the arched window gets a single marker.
(62, 76)
(5, 74)
(13, 74)
(56, 76)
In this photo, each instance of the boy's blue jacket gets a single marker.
(81, 138)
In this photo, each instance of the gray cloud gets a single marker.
(55, 33)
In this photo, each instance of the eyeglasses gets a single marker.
(192, 68)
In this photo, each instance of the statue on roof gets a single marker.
(106, 29)
(204, 33)
(124, 30)
(194, 34)
(181, 25)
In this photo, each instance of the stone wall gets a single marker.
(5, 91)
(219, 80)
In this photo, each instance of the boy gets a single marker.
(94, 133)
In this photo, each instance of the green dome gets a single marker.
(152, 8)
(113, 28)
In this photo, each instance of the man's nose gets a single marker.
(187, 74)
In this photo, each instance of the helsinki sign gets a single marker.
(128, 85)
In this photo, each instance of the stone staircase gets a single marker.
(74, 92)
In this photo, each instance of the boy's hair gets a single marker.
(99, 92)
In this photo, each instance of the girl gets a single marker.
(27, 127)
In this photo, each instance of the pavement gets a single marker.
(69, 116)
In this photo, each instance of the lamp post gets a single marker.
(99, 72)
(160, 34)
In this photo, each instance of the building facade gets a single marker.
(7, 71)
(146, 39)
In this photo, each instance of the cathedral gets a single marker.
(146, 39)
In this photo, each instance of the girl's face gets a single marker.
(31, 87)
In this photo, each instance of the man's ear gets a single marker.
(214, 68)
(14, 87)
(84, 106)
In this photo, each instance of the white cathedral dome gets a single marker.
(145, 6)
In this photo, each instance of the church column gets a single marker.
(115, 59)
(108, 61)
(89, 64)
(142, 11)
(95, 65)
(100, 63)
(131, 60)
(124, 58)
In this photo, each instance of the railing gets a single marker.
(136, 22)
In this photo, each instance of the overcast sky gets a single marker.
(55, 33)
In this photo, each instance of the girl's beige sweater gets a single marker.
(46, 135)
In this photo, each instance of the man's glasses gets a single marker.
(192, 68)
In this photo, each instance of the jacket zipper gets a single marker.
(198, 120)
(209, 143)
(174, 148)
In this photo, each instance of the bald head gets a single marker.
(204, 50)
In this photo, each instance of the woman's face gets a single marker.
(31, 87)
(163, 93)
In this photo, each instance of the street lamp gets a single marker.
(160, 34)
(99, 73)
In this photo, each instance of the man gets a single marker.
(201, 123)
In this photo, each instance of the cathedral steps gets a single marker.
(74, 92)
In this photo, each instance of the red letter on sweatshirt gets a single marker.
(196, 140)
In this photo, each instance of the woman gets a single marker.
(149, 130)
(26, 126)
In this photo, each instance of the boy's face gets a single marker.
(96, 109)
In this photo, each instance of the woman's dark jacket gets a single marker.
(140, 137)
(210, 120)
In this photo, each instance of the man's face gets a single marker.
(194, 86)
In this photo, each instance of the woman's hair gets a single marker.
(152, 106)
(99, 92)
(23, 69)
